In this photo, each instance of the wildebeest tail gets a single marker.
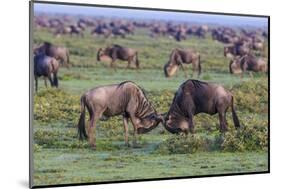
(137, 61)
(199, 65)
(230, 69)
(234, 115)
(81, 124)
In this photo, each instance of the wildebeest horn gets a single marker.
(162, 116)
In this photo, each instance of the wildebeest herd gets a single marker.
(244, 48)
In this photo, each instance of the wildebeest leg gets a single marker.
(129, 62)
(126, 130)
(222, 119)
(95, 115)
(185, 74)
(113, 57)
(134, 122)
(56, 82)
(190, 124)
(51, 80)
(91, 131)
(194, 67)
(112, 65)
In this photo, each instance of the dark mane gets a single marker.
(142, 89)
(47, 44)
(196, 83)
(124, 82)
(143, 100)
(115, 45)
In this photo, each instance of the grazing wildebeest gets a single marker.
(126, 99)
(247, 62)
(118, 52)
(195, 97)
(59, 53)
(178, 57)
(45, 66)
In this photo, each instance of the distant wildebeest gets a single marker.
(259, 46)
(119, 32)
(115, 52)
(47, 67)
(236, 50)
(195, 97)
(61, 30)
(76, 30)
(247, 62)
(178, 57)
(99, 30)
(126, 99)
(59, 53)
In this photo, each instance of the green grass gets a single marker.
(76, 166)
(59, 157)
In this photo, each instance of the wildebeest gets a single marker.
(126, 99)
(47, 67)
(236, 50)
(59, 53)
(76, 30)
(178, 57)
(247, 62)
(99, 30)
(195, 97)
(115, 52)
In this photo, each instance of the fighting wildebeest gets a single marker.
(178, 57)
(247, 62)
(126, 99)
(195, 97)
(59, 53)
(115, 52)
(45, 66)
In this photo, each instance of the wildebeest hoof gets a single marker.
(94, 148)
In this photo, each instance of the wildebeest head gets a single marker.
(173, 121)
(172, 66)
(39, 50)
(170, 69)
(228, 50)
(102, 54)
(42, 48)
(175, 124)
(149, 122)
(99, 54)
(147, 116)
(235, 65)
